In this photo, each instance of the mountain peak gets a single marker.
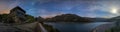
(17, 8)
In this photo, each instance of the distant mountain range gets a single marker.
(115, 18)
(75, 18)
(97, 19)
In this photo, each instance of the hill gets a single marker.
(68, 18)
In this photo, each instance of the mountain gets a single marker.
(115, 18)
(17, 15)
(68, 18)
(97, 19)
(39, 19)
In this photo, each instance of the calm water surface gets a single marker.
(75, 27)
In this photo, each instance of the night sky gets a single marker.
(50, 8)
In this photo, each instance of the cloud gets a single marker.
(112, 7)
(49, 8)
(89, 7)
(4, 12)
(6, 6)
(46, 13)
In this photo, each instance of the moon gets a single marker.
(114, 10)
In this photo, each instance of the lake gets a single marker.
(75, 27)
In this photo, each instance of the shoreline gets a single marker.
(103, 27)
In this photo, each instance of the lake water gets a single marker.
(75, 27)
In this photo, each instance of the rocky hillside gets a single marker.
(68, 18)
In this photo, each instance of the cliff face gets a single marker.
(17, 15)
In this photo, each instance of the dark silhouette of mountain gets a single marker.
(17, 8)
(97, 19)
(114, 19)
(39, 19)
(68, 18)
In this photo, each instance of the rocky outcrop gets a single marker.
(17, 15)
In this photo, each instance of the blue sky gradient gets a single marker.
(50, 8)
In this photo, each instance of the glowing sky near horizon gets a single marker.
(50, 8)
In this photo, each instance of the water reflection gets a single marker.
(75, 27)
